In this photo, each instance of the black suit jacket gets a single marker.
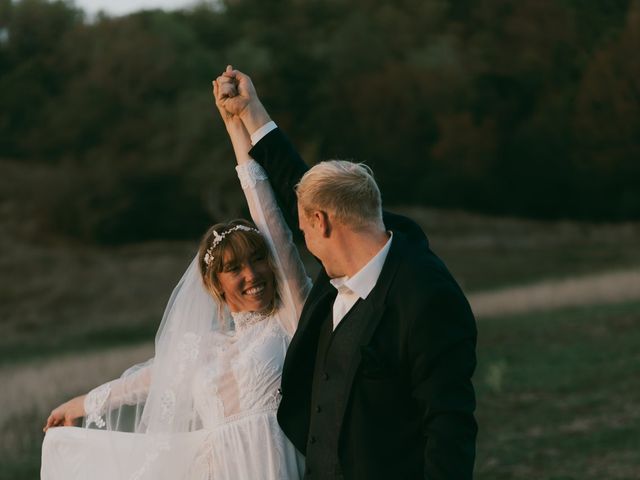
(407, 406)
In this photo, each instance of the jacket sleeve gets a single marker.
(442, 352)
(284, 168)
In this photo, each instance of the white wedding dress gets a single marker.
(234, 387)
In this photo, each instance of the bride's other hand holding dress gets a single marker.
(68, 414)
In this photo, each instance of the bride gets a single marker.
(205, 406)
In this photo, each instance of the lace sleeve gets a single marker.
(294, 282)
(130, 389)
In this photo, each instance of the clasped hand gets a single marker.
(233, 92)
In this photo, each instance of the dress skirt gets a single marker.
(249, 446)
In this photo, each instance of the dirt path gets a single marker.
(603, 288)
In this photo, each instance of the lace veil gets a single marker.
(153, 401)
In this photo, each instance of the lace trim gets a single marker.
(244, 320)
(188, 350)
(249, 173)
(94, 404)
(167, 406)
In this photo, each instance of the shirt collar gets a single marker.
(363, 281)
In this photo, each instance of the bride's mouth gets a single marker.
(255, 290)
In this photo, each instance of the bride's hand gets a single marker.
(66, 414)
(224, 88)
(234, 93)
(236, 97)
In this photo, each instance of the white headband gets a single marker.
(218, 237)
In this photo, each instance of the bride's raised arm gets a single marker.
(294, 284)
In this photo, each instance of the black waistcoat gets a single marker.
(329, 377)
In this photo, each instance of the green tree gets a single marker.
(607, 126)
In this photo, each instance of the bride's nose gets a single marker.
(249, 271)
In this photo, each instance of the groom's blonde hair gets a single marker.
(346, 189)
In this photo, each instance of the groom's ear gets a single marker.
(323, 222)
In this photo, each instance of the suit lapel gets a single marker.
(368, 316)
(301, 355)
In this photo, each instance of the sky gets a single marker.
(122, 7)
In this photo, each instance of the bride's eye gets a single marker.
(259, 257)
(231, 268)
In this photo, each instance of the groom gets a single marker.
(377, 380)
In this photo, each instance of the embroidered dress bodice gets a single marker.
(243, 376)
(242, 321)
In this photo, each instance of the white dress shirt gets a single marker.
(350, 289)
(260, 133)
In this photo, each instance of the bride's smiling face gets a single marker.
(247, 284)
(237, 267)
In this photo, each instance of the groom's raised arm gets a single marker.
(284, 168)
(271, 149)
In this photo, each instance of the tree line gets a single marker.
(527, 108)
